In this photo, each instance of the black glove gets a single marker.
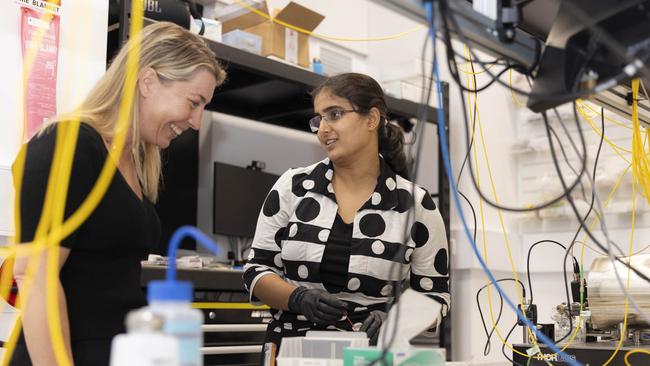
(372, 324)
(316, 305)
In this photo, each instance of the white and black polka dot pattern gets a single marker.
(297, 220)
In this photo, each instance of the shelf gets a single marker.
(271, 91)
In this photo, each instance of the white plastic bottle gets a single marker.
(172, 301)
(144, 344)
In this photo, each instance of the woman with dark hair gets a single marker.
(333, 236)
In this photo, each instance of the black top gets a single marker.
(101, 276)
(336, 258)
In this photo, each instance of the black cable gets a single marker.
(593, 193)
(503, 346)
(572, 204)
(497, 61)
(422, 112)
(591, 206)
(492, 81)
(473, 177)
(471, 142)
(576, 265)
(486, 349)
(566, 289)
(567, 161)
(469, 149)
(530, 250)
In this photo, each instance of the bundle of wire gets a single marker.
(447, 163)
(640, 161)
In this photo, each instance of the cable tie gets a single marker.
(533, 351)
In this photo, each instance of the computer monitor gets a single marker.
(238, 196)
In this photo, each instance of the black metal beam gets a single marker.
(476, 27)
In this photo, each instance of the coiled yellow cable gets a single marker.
(629, 353)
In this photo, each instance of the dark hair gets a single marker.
(364, 93)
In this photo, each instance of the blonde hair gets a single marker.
(175, 54)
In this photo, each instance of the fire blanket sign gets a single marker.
(39, 40)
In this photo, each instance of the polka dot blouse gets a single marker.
(298, 217)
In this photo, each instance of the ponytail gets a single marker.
(391, 147)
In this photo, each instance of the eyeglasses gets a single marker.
(331, 115)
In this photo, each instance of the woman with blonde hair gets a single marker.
(99, 263)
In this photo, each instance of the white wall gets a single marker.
(82, 60)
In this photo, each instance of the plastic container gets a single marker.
(319, 348)
(172, 301)
(144, 344)
(243, 40)
(317, 66)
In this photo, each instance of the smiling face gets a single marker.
(168, 108)
(352, 134)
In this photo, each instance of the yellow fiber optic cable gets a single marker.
(601, 253)
(582, 254)
(617, 149)
(595, 220)
(599, 132)
(584, 244)
(323, 36)
(512, 92)
(582, 103)
(629, 353)
(627, 289)
(481, 209)
(507, 246)
(640, 163)
(482, 213)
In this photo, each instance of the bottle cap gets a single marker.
(169, 291)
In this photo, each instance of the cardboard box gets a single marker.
(278, 40)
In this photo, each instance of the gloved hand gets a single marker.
(316, 305)
(372, 324)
